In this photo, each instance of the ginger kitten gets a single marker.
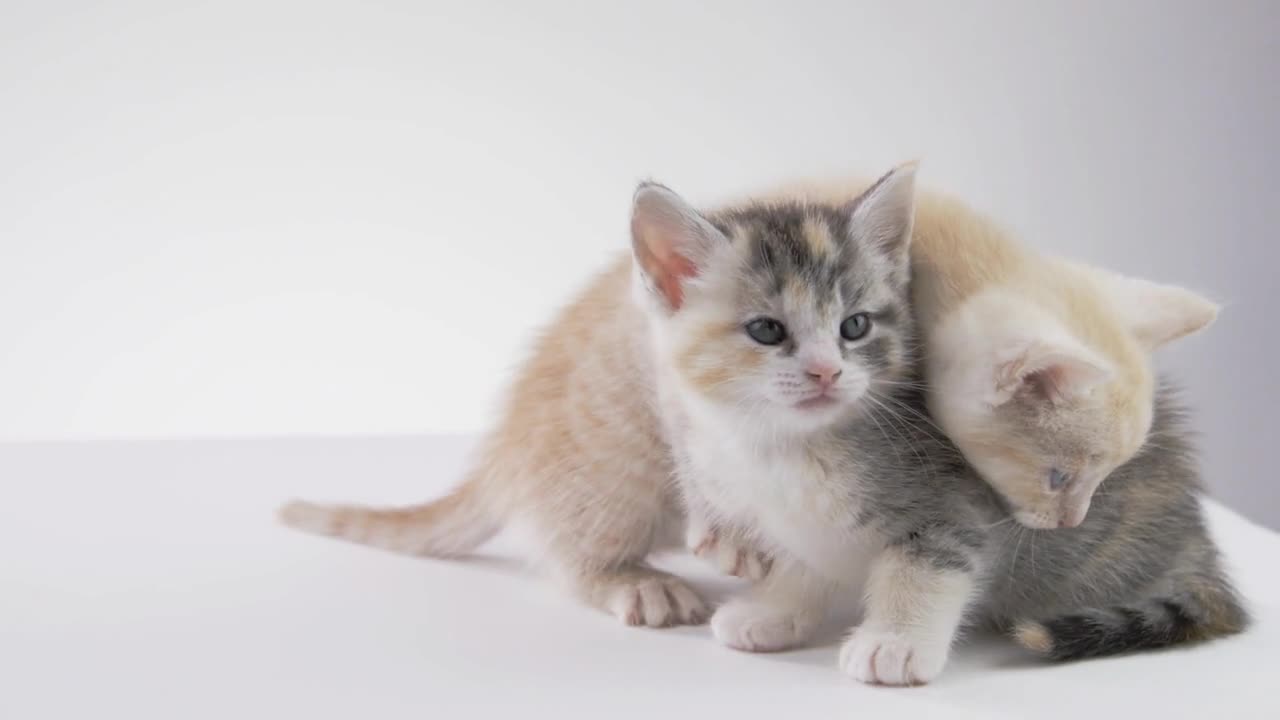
(1039, 369)
(578, 461)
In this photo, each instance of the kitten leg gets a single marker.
(726, 549)
(596, 543)
(780, 612)
(914, 605)
(640, 595)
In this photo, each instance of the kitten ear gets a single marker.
(670, 240)
(1157, 314)
(1055, 370)
(884, 214)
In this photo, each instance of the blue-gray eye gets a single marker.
(855, 327)
(1057, 479)
(766, 331)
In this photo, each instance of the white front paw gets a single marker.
(730, 557)
(891, 657)
(756, 627)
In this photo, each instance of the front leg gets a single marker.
(780, 612)
(915, 601)
(727, 548)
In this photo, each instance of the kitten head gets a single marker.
(787, 314)
(1044, 414)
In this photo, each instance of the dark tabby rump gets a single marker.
(1208, 611)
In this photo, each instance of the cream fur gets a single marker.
(991, 312)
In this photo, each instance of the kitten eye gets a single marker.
(766, 331)
(1057, 479)
(855, 327)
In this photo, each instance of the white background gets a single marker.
(285, 217)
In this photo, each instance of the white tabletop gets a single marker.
(149, 580)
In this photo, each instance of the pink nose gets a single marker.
(823, 374)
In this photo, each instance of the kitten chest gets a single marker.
(791, 498)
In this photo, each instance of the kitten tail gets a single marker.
(1214, 611)
(448, 527)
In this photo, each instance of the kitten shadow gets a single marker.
(500, 564)
(714, 589)
(979, 650)
(993, 649)
(505, 564)
(823, 649)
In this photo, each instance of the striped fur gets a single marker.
(1148, 625)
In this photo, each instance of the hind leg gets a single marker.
(596, 542)
(640, 595)
(607, 570)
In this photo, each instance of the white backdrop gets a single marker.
(282, 217)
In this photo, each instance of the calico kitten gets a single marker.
(784, 343)
(1039, 368)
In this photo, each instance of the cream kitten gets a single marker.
(1039, 369)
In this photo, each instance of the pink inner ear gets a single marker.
(1050, 383)
(675, 269)
(1051, 375)
(667, 267)
(1065, 379)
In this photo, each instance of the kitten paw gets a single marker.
(755, 627)
(728, 556)
(887, 657)
(657, 601)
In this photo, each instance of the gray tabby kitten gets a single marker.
(784, 345)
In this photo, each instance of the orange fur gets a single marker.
(579, 460)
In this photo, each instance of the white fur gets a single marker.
(1155, 313)
(780, 612)
(912, 614)
(983, 350)
(771, 484)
